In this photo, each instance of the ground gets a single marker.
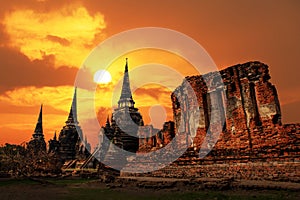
(74, 189)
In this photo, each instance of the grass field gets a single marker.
(85, 189)
(85, 194)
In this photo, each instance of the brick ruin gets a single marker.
(158, 138)
(253, 143)
(250, 106)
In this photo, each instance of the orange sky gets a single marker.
(44, 42)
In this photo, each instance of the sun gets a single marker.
(102, 77)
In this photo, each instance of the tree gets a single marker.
(20, 161)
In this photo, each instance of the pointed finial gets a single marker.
(41, 110)
(75, 95)
(85, 140)
(40, 120)
(107, 121)
(126, 96)
(72, 118)
(126, 65)
(39, 125)
(38, 131)
(54, 138)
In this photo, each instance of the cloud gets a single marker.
(20, 108)
(154, 92)
(150, 95)
(61, 41)
(68, 33)
(59, 97)
(18, 71)
(7, 107)
(4, 38)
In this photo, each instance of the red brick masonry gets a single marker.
(253, 143)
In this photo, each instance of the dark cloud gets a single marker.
(231, 31)
(61, 41)
(17, 109)
(4, 38)
(17, 70)
(156, 93)
(84, 79)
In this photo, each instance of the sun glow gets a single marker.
(102, 77)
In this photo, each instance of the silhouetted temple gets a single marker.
(70, 144)
(126, 119)
(252, 142)
(37, 142)
(54, 144)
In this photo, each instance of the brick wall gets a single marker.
(275, 171)
(252, 144)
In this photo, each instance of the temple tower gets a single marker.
(126, 119)
(70, 137)
(37, 142)
(53, 144)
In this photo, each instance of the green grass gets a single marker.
(90, 194)
(71, 189)
(31, 182)
(17, 182)
(69, 181)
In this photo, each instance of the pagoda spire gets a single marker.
(107, 122)
(85, 140)
(54, 137)
(72, 118)
(38, 131)
(126, 96)
(126, 66)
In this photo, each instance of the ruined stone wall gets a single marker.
(151, 139)
(278, 162)
(241, 95)
(148, 138)
(252, 144)
(274, 171)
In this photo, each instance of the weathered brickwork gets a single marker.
(252, 143)
(249, 105)
(152, 139)
(275, 171)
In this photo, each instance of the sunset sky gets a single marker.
(43, 43)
